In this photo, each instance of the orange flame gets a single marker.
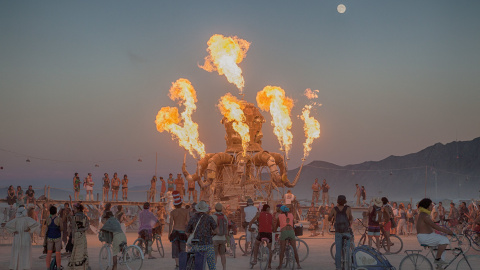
(273, 99)
(224, 55)
(311, 128)
(168, 118)
(311, 94)
(232, 109)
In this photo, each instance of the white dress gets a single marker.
(21, 256)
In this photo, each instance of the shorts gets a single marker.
(432, 239)
(388, 226)
(373, 230)
(219, 246)
(57, 242)
(118, 239)
(191, 189)
(267, 235)
(115, 188)
(89, 188)
(287, 234)
(248, 234)
(124, 187)
(146, 235)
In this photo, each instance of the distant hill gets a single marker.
(455, 167)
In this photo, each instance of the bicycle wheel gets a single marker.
(241, 243)
(333, 249)
(346, 258)
(469, 262)
(363, 240)
(396, 244)
(190, 263)
(53, 264)
(462, 242)
(415, 261)
(158, 242)
(302, 250)
(105, 258)
(133, 258)
(289, 258)
(475, 240)
(141, 244)
(264, 255)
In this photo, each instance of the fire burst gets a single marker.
(273, 99)
(168, 118)
(224, 55)
(311, 128)
(232, 109)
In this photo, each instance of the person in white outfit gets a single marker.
(249, 213)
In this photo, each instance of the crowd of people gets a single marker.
(66, 227)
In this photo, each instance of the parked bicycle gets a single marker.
(157, 240)
(132, 257)
(396, 243)
(474, 238)
(415, 260)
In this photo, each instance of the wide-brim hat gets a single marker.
(378, 202)
(202, 206)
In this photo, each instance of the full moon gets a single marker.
(341, 8)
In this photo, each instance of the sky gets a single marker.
(81, 82)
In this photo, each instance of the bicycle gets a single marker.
(242, 239)
(301, 246)
(53, 262)
(132, 257)
(333, 247)
(474, 238)
(396, 243)
(263, 255)
(158, 243)
(191, 264)
(347, 251)
(415, 260)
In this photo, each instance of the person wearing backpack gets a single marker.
(375, 216)
(342, 214)
(219, 240)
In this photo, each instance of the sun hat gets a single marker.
(378, 202)
(218, 207)
(177, 199)
(202, 206)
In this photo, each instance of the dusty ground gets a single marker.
(319, 257)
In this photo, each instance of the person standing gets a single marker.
(249, 213)
(80, 224)
(316, 191)
(375, 217)
(191, 189)
(441, 213)
(453, 215)
(76, 187)
(65, 217)
(326, 224)
(204, 226)
(402, 220)
(54, 237)
(21, 227)
(358, 194)
(106, 187)
(44, 214)
(163, 189)
(364, 195)
(30, 195)
(115, 187)
(20, 196)
(153, 189)
(161, 215)
(410, 219)
(220, 239)
(342, 213)
(325, 188)
(125, 188)
(265, 229)
(288, 199)
(11, 200)
(170, 182)
(180, 185)
(179, 218)
(147, 221)
(89, 187)
(387, 223)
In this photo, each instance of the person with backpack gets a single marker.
(54, 237)
(342, 214)
(375, 216)
(219, 239)
(265, 229)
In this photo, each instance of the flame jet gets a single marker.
(312, 129)
(232, 110)
(273, 99)
(169, 120)
(224, 55)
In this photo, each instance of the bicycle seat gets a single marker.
(265, 239)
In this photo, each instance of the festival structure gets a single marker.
(244, 170)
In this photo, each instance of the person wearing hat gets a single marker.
(375, 217)
(285, 222)
(249, 213)
(178, 220)
(21, 227)
(219, 240)
(203, 226)
(342, 213)
(147, 221)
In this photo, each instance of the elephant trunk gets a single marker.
(215, 161)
